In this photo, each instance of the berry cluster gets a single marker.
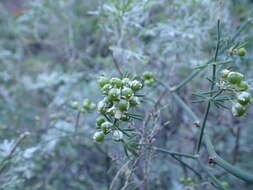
(234, 82)
(120, 96)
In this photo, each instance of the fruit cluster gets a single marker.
(119, 98)
(234, 81)
(238, 51)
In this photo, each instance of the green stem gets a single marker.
(175, 153)
(187, 165)
(212, 177)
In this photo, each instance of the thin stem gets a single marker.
(187, 166)
(175, 153)
(203, 126)
(211, 176)
(211, 89)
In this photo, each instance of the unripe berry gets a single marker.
(99, 121)
(242, 86)
(74, 105)
(106, 88)
(224, 73)
(241, 52)
(148, 75)
(101, 107)
(114, 94)
(123, 105)
(116, 82)
(149, 82)
(134, 101)
(124, 117)
(99, 136)
(106, 126)
(103, 81)
(117, 135)
(244, 98)
(127, 92)
(126, 82)
(235, 77)
(136, 85)
(238, 110)
(86, 103)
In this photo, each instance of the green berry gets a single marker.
(149, 82)
(106, 88)
(99, 136)
(106, 126)
(86, 103)
(241, 52)
(242, 86)
(123, 105)
(117, 135)
(148, 75)
(116, 82)
(235, 77)
(134, 101)
(224, 73)
(114, 94)
(126, 82)
(244, 98)
(99, 121)
(238, 110)
(136, 85)
(103, 81)
(124, 117)
(127, 92)
(74, 105)
(102, 107)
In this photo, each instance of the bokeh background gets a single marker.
(51, 54)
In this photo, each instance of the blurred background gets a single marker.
(51, 54)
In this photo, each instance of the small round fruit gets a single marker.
(235, 77)
(148, 75)
(116, 82)
(117, 135)
(241, 52)
(134, 101)
(224, 73)
(149, 82)
(244, 98)
(126, 82)
(99, 121)
(103, 81)
(125, 118)
(238, 110)
(99, 136)
(74, 105)
(127, 92)
(123, 105)
(101, 107)
(242, 86)
(106, 126)
(86, 103)
(106, 88)
(114, 94)
(136, 85)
